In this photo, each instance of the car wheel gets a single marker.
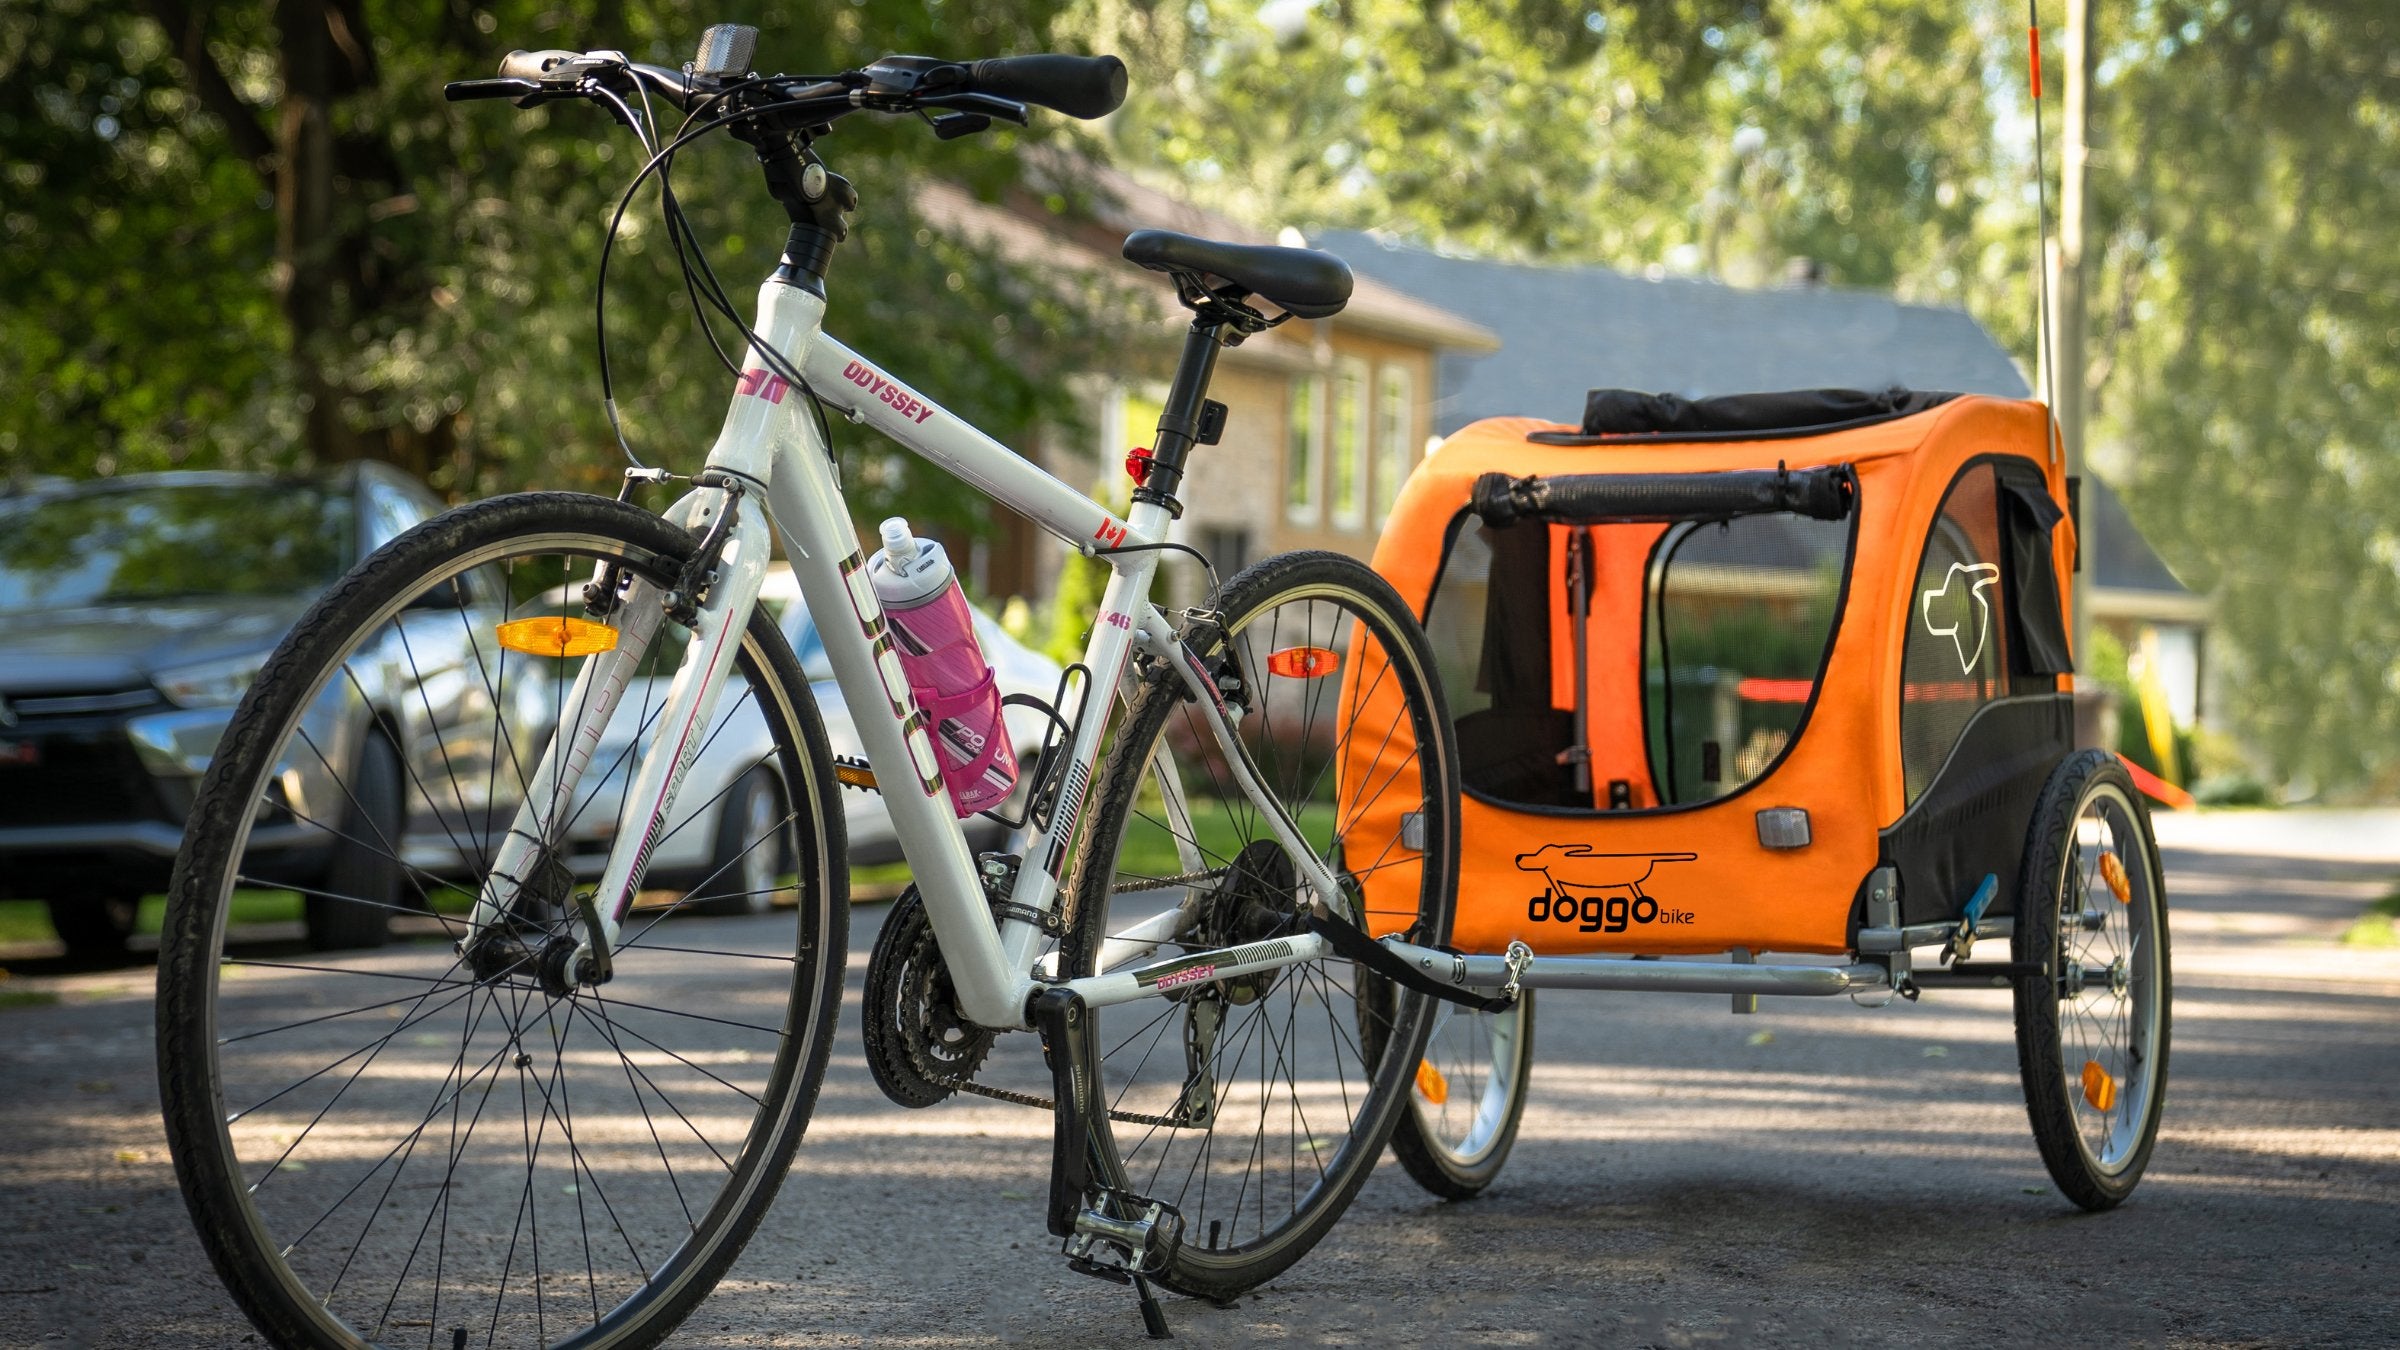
(94, 926)
(354, 906)
(752, 852)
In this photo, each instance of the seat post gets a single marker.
(1186, 420)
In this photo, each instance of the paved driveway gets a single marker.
(1816, 1173)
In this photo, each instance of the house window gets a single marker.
(1227, 546)
(1392, 419)
(1349, 444)
(1304, 466)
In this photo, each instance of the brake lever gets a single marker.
(461, 91)
(990, 107)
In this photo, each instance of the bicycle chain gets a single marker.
(1046, 1104)
(1161, 883)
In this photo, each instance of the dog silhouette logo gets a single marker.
(1599, 892)
(1962, 603)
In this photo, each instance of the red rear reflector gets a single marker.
(1303, 663)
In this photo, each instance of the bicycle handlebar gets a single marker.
(1079, 86)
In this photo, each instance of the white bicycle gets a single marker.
(557, 1114)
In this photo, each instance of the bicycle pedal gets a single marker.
(1117, 1250)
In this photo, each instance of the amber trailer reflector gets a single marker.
(557, 636)
(1303, 663)
(2098, 1088)
(2112, 871)
(1430, 1083)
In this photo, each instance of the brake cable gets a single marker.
(660, 158)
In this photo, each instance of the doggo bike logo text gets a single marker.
(1598, 892)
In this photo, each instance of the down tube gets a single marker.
(833, 578)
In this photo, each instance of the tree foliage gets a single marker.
(2244, 306)
(255, 234)
(2248, 310)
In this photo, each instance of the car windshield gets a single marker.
(129, 545)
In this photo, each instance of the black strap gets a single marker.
(1357, 946)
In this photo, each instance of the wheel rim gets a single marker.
(2108, 980)
(1306, 1053)
(420, 1149)
(1469, 1074)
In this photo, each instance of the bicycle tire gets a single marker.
(1453, 1153)
(1207, 1264)
(2096, 1150)
(270, 1274)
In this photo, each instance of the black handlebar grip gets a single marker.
(1079, 86)
(524, 65)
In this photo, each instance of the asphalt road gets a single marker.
(1815, 1173)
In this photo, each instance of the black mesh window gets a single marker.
(1739, 621)
(1956, 658)
(1490, 627)
(1735, 623)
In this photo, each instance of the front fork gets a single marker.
(737, 543)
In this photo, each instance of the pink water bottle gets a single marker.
(935, 633)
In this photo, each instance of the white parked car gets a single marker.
(735, 793)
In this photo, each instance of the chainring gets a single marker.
(920, 1048)
(1258, 898)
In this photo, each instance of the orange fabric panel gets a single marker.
(1619, 742)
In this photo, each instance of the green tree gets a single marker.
(2248, 182)
(254, 233)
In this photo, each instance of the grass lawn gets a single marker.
(2379, 926)
(1149, 851)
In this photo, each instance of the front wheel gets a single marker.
(1258, 1105)
(2092, 1026)
(405, 1146)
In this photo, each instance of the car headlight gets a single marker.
(210, 684)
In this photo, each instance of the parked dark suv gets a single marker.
(134, 612)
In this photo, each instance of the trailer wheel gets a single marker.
(2092, 1025)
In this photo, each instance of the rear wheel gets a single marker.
(2092, 1028)
(1257, 1106)
(401, 1146)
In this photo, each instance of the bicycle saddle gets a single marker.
(1310, 284)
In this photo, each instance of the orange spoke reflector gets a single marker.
(557, 636)
(1430, 1083)
(2112, 871)
(2098, 1088)
(1303, 663)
